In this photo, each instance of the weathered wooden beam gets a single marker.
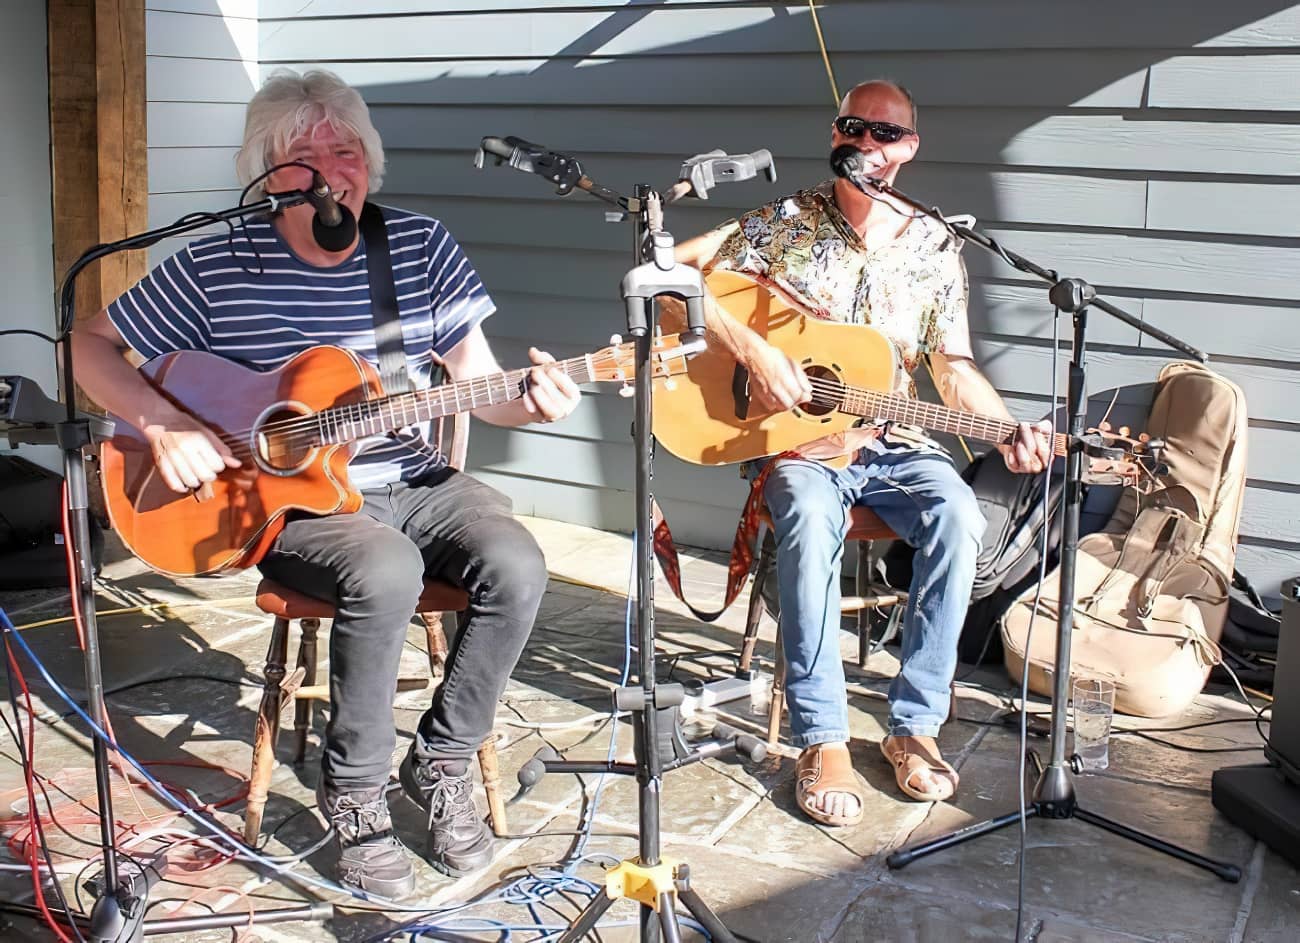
(97, 138)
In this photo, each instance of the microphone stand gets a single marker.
(117, 915)
(1054, 795)
(653, 881)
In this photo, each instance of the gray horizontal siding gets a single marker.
(1147, 147)
(200, 71)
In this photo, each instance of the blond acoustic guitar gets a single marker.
(294, 429)
(712, 420)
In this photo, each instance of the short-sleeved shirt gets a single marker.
(251, 299)
(911, 289)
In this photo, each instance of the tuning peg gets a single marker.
(626, 390)
(615, 339)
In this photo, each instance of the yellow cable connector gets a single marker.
(644, 884)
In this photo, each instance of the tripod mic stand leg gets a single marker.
(905, 856)
(668, 917)
(718, 931)
(1228, 872)
(587, 920)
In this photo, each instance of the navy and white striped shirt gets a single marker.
(215, 296)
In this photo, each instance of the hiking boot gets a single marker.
(459, 841)
(371, 858)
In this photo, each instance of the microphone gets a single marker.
(333, 227)
(847, 162)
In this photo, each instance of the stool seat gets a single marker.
(282, 687)
(276, 599)
(864, 524)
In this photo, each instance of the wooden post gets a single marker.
(97, 140)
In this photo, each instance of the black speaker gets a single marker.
(1284, 733)
(1264, 799)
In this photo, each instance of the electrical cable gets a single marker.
(1029, 634)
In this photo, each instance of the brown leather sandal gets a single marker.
(824, 768)
(908, 757)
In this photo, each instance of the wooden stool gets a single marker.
(281, 687)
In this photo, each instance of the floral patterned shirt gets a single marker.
(912, 289)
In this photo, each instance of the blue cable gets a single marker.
(161, 792)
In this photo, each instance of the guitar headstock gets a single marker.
(1117, 456)
(668, 356)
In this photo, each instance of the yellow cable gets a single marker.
(239, 600)
(821, 42)
(100, 613)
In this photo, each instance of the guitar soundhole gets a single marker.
(827, 391)
(283, 441)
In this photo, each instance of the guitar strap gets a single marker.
(383, 303)
(742, 548)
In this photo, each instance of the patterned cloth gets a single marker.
(911, 289)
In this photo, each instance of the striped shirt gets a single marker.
(252, 300)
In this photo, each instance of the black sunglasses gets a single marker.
(882, 132)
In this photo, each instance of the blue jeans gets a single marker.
(922, 498)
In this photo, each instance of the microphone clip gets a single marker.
(560, 169)
(705, 171)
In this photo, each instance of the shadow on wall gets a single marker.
(1044, 128)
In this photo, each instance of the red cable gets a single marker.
(29, 760)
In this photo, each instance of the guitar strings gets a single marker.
(309, 430)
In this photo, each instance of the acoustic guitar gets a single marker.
(294, 429)
(712, 420)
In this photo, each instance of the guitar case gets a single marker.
(1151, 588)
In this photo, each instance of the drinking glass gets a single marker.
(1094, 706)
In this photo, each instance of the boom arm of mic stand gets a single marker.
(1025, 265)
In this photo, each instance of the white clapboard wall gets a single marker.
(1148, 147)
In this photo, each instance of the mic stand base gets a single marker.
(1054, 798)
(1054, 792)
(657, 888)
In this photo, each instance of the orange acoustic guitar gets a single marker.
(294, 429)
(712, 421)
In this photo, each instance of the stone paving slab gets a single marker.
(771, 874)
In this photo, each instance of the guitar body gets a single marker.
(711, 420)
(234, 526)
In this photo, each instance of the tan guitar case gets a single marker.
(1151, 588)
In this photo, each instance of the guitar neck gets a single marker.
(871, 404)
(341, 424)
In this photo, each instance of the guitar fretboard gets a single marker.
(871, 404)
(341, 424)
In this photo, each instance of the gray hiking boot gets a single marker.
(459, 841)
(371, 858)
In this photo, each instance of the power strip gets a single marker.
(721, 691)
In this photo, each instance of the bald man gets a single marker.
(858, 259)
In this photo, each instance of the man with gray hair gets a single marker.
(844, 255)
(260, 296)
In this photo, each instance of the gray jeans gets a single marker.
(370, 566)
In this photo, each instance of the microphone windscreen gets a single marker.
(846, 161)
(335, 238)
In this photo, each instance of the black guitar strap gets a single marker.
(383, 302)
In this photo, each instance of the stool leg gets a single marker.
(268, 725)
(436, 641)
(488, 766)
(755, 614)
(862, 584)
(303, 707)
(778, 695)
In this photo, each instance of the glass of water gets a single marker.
(1094, 706)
